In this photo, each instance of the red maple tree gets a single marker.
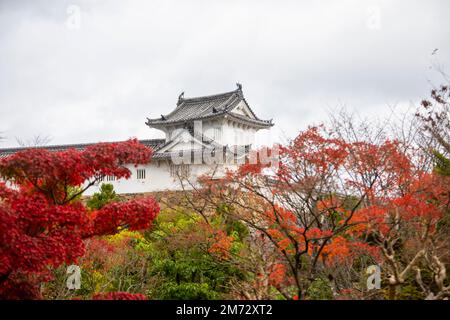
(43, 222)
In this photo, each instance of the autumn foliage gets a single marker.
(119, 296)
(43, 223)
(303, 220)
(329, 203)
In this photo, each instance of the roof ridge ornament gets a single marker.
(180, 97)
(239, 90)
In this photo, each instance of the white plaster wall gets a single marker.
(232, 133)
(235, 134)
(157, 178)
(208, 129)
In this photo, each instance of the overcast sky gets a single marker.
(87, 71)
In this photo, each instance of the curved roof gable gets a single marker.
(206, 107)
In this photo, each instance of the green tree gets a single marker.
(106, 195)
(434, 115)
(442, 164)
(181, 265)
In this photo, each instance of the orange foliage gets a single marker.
(221, 244)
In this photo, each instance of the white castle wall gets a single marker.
(222, 131)
(237, 134)
(157, 178)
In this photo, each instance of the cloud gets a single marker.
(130, 60)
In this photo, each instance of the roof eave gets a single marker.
(157, 123)
(255, 122)
(153, 123)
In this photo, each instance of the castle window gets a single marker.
(180, 170)
(217, 134)
(140, 173)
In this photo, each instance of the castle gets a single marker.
(202, 135)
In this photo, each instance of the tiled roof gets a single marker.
(206, 141)
(206, 107)
(200, 152)
(155, 144)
